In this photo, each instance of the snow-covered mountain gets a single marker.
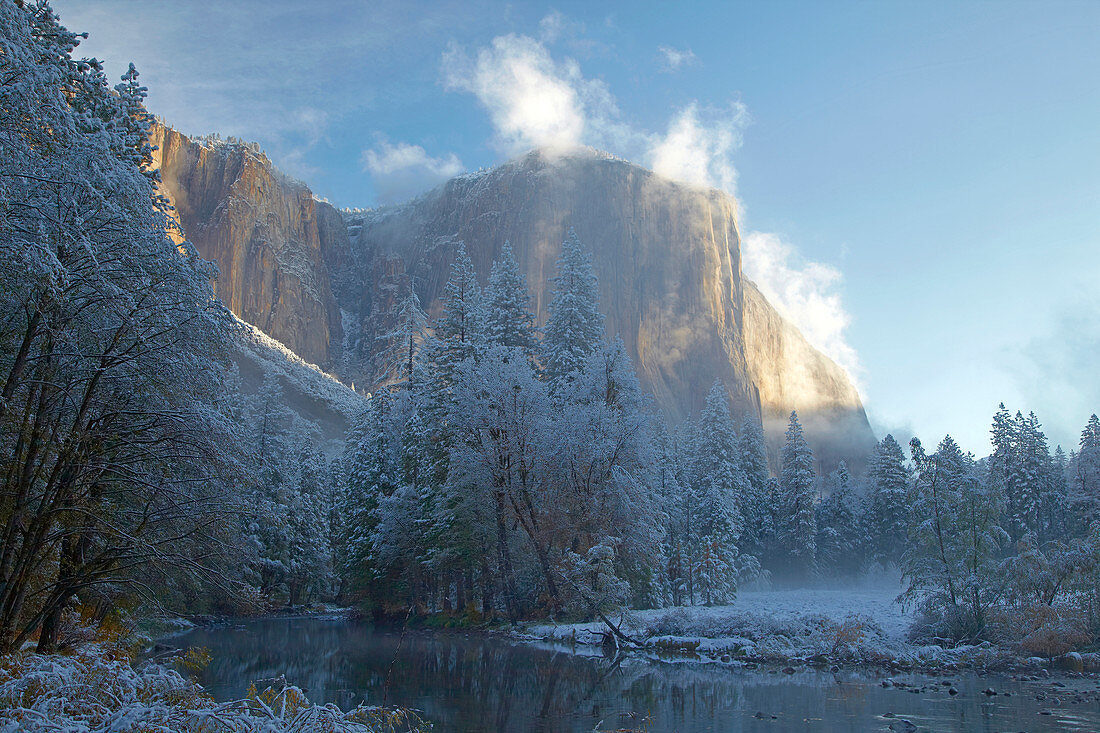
(667, 256)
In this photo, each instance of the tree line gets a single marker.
(503, 472)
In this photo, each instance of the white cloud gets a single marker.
(402, 170)
(555, 26)
(674, 59)
(1055, 371)
(534, 100)
(804, 293)
(700, 152)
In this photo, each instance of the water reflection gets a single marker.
(471, 683)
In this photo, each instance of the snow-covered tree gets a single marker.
(404, 340)
(1085, 473)
(506, 310)
(752, 457)
(718, 488)
(373, 473)
(112, 345)
(952, 566)
(574, 328)
(796, 530)
(887, 518)
(839, 535)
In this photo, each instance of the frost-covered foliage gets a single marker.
(839, 532)
(489, 482)
(506, 306)
(796, 533)
(887, 515)
(113, 428)
(953, 564)
(97, 690)
(575, 325)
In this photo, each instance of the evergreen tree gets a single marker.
(718, 487)
(752, 457)
(1086, 473)
(459, 331)
(888, 512)
(796, 484)
(674, 502)
(838, 533)
(574, 328)
(506, 314)
(404, 340)
(373, 467)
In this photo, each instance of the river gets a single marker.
(473, 682)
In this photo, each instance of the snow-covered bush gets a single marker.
(96, 690)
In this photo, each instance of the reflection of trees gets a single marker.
(477, 683)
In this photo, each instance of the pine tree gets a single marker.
(718, 487)
(838, 535)
(1020, 469)
(404, 340)
(459, 329)
(888, 514)
(796, 483)
(574, 328)
(1086, 472)
(506, 313)
(373, 467)
(752, 457)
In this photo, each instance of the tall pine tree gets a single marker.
(507, 315)
(887, 518)
(574, 328)
(796, 485)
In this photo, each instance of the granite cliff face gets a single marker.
(273, 242)
(669, 266)
(667, 257)
(790, 374)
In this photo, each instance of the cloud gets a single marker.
(674, 59)
(804, 293)
(535, 100)
(555, 26)
(402, 170)
(1056, 372)
(700, 152)
(532, 100)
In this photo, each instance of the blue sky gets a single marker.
(919, 182)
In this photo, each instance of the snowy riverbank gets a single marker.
(96, 687)
(806, 626)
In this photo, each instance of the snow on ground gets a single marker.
(878, 604)
(857, 625)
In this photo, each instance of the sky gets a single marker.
(919, 182)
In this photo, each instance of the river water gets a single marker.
(477, 683)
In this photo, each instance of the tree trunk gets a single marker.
(505, 560)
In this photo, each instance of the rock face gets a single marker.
(790, 374)
(272, 240)
(669, 266)
(667, 257)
